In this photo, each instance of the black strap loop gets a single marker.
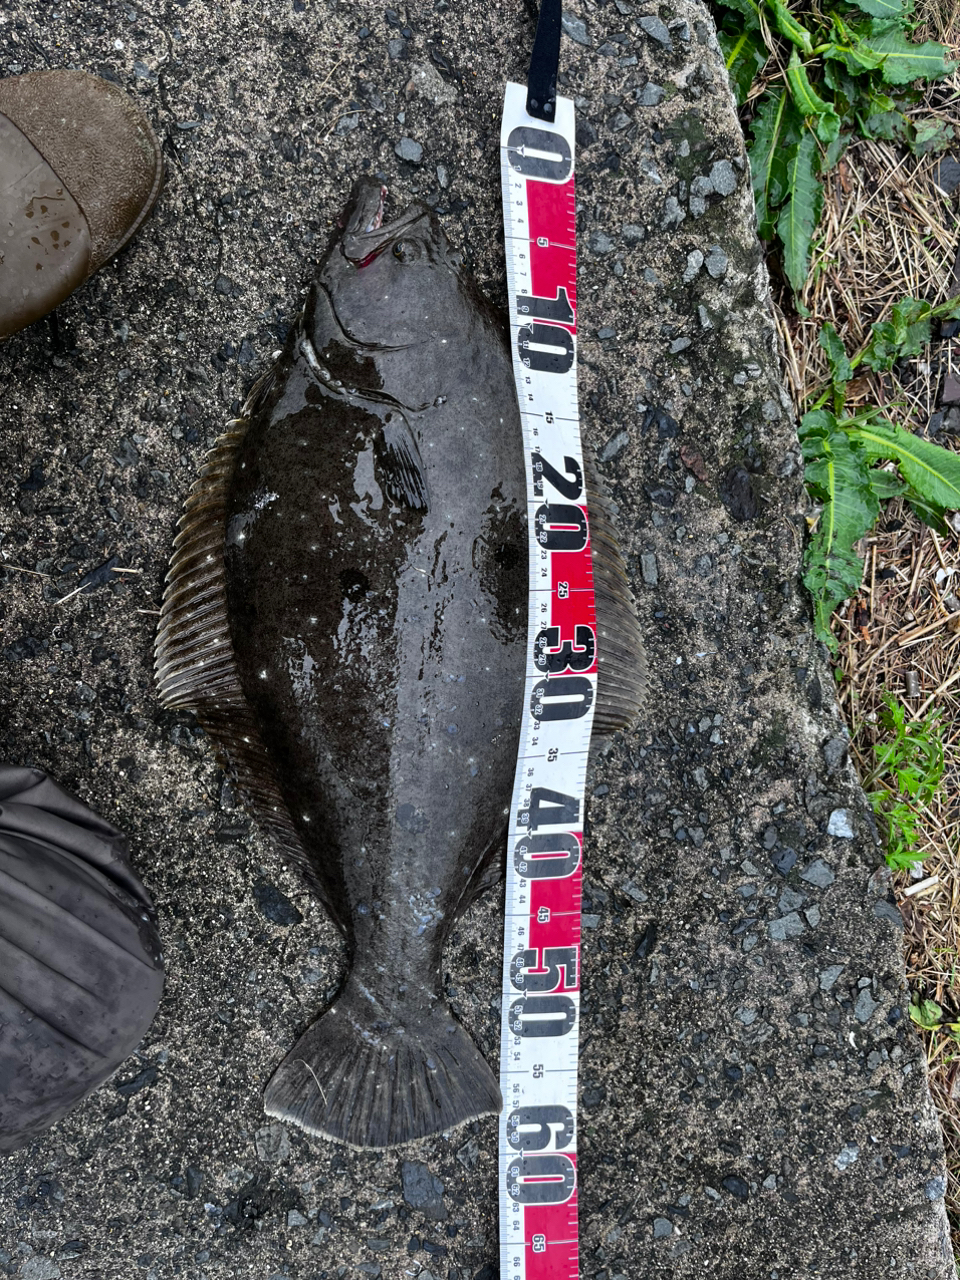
(542, 79)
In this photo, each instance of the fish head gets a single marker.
(391, 285)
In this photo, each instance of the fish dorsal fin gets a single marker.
(622, 663)
(400, 467)
(196, 667)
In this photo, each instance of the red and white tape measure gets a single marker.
(541, 970)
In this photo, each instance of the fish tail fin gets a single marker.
(359, 1077)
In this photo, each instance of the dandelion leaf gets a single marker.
(745, 55)
(837, 474)
(775, 126)
(904, 62)
(904, 334)
(931, 135)
(931, 472)
(746, 8)
(840, 370)
(884, 8)
(797, 222)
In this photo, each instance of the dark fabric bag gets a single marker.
(81, 971)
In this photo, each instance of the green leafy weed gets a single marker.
(835, 71)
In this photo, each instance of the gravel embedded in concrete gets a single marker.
(727, 1129)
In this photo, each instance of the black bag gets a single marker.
(80, 965)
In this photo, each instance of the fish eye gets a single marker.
(406, 250)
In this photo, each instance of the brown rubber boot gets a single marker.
(80, 169)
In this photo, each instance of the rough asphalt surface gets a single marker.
(753, 1098)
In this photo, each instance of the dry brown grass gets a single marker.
(888, 232)
(902, 635)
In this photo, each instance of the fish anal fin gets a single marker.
(489, 872)
(400, 469)
(195, 664)
(621, 659)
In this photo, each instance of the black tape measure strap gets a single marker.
(542, 79)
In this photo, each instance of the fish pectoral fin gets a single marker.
(400, 468)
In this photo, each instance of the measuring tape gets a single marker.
(539, 1034)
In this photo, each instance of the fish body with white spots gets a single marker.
(347, 614)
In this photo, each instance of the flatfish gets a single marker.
(346, 613)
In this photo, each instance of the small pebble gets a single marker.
(716, 262)
(469, 1153)
(865, 1007)
(576, 29)
(829, 976)
(272, 1143)
(39, 1268)
(423, 1191)
(657, 31)
(408, 149)
(599, 242)
(274, 905)
(789, 926)
(724, 178)
(736, 1187)
(694, 263)
(616, 444)
(651, 95)
(818, 874)
(841, 824)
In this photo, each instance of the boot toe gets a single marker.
(80, 169)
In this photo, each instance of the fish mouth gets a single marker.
(365, 234)
(364, 213)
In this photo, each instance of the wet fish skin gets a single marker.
(347, 614)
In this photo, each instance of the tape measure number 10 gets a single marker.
(541, 972)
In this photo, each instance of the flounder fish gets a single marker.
(346, 613)
(80, 967)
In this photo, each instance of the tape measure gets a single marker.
(539, 1035)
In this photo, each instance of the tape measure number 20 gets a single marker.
(541, 973)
